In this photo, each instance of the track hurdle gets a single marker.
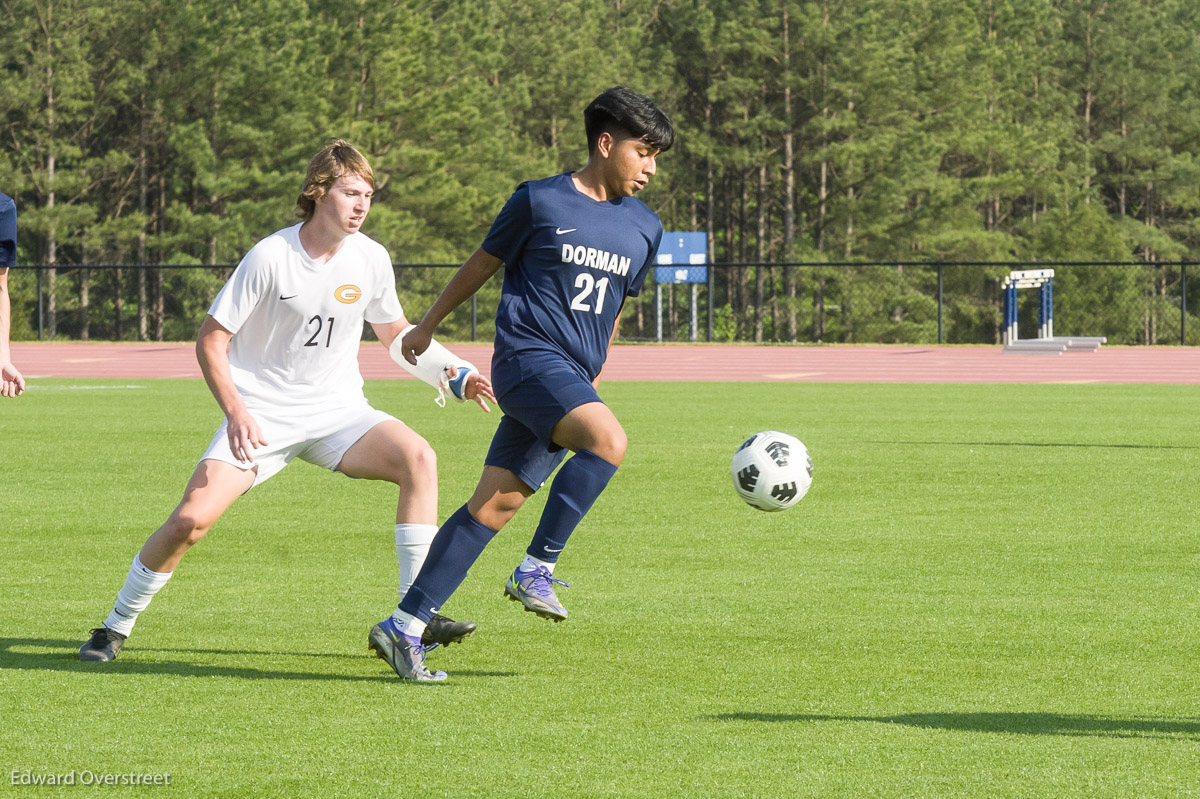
(1046, 341)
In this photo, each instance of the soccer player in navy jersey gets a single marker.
(573, 247)
(12, 382)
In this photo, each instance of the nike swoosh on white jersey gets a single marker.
(560, 231)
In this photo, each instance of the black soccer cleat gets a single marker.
(103, 646)
(445, 631)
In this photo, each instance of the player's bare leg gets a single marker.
(498, 496)
(394, 452)
(213, 487)
(594, 428)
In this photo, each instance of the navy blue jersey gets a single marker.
(8, 231)
(570, 262)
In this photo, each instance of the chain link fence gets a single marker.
(865, 303)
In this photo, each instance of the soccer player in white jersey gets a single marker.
(279, 351)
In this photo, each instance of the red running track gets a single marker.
(714, 362)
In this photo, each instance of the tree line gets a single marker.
(177, 131)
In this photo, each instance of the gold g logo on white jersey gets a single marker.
(348, 293)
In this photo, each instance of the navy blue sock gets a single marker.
(455, 548)
(575, 489)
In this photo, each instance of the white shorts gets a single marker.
(320, 436)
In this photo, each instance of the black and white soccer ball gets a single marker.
(772, 470)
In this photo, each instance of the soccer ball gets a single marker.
(771, 470)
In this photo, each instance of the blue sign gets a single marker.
(682, 258)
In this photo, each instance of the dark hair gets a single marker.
(620, 109)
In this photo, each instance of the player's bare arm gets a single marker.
(12, 383)
(212, 352)
(477, 270)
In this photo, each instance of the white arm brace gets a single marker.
(433, 367)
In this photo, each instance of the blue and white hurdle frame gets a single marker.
(1043, 281)
(1046, 341)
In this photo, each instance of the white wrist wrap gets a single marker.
(433, 367)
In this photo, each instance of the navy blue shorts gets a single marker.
(522, 443)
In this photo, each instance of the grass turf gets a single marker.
(989, 590)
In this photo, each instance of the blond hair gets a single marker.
(334, 160)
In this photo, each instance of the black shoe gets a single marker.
(103, 645)
(446, 631)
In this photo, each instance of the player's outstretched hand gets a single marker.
(245, 436)
(479, 389)
(12, 383)
(415, 341)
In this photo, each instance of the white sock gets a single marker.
(408, 624)
(140, 587)
(531, 563)
(412, 545)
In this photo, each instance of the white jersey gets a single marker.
(297, 324)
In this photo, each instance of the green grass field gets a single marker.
(990, 590)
